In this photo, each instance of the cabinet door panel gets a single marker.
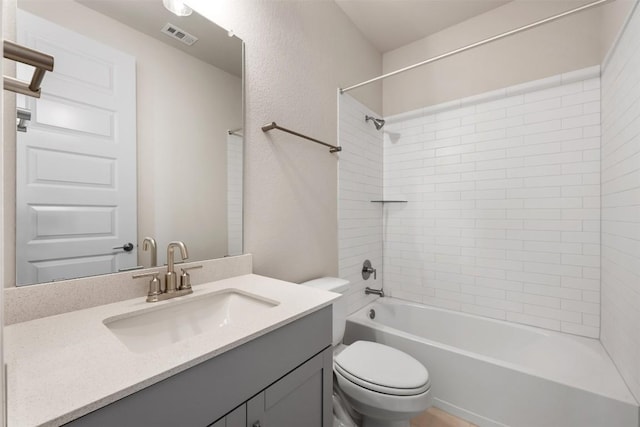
(300, 406)
(295, 400)
(278, 392)
(237, 417)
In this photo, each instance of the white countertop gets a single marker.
(62, 367)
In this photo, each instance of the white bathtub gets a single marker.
(496, 373)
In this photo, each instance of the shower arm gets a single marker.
(477, 44)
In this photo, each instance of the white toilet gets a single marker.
(384, 385)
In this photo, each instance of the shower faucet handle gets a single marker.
(367, 270)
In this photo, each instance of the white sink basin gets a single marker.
(180, 319)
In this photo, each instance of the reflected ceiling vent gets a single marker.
(178, 34)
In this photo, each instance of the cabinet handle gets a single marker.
(256, 424)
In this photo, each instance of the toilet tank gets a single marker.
(340, 286)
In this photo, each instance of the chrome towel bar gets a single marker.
(273, 125)
(41, 61)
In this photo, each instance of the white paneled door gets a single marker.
(76, 164)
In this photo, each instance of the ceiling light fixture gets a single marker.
(177, 7)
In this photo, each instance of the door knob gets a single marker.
(127, 247)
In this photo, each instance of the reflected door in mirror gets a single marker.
(76, 190)
(188, 176)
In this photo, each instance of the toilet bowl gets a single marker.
(386, 386)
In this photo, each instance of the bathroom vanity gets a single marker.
(257, 367)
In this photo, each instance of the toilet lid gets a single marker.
(382, 368)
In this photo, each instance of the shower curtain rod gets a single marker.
(480, 43)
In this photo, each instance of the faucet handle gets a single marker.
(155, 286)
(367, 270)
(185, 277)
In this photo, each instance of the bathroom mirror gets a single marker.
(137, 134)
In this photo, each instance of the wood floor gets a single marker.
(435, 417)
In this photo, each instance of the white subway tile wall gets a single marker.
(621, 205)
(503, 212)
(360, 182)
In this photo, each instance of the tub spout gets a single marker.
(379, 292)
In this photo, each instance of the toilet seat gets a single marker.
(379, 388)
(381, 406)
(382, 369)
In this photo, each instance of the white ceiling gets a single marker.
(390, 24)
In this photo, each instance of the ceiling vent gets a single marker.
(178, 34)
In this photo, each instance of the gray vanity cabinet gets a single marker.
(236, 418)
(281, 379)
(294, 400)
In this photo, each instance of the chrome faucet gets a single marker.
(171, 278)
(171, 290)
(367, 270)
(379, 292)
(150, 243)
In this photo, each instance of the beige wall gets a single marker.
(568, 44)
(295, 63)
(181, 136)
(297, 54)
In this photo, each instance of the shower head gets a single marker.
(377, 122)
